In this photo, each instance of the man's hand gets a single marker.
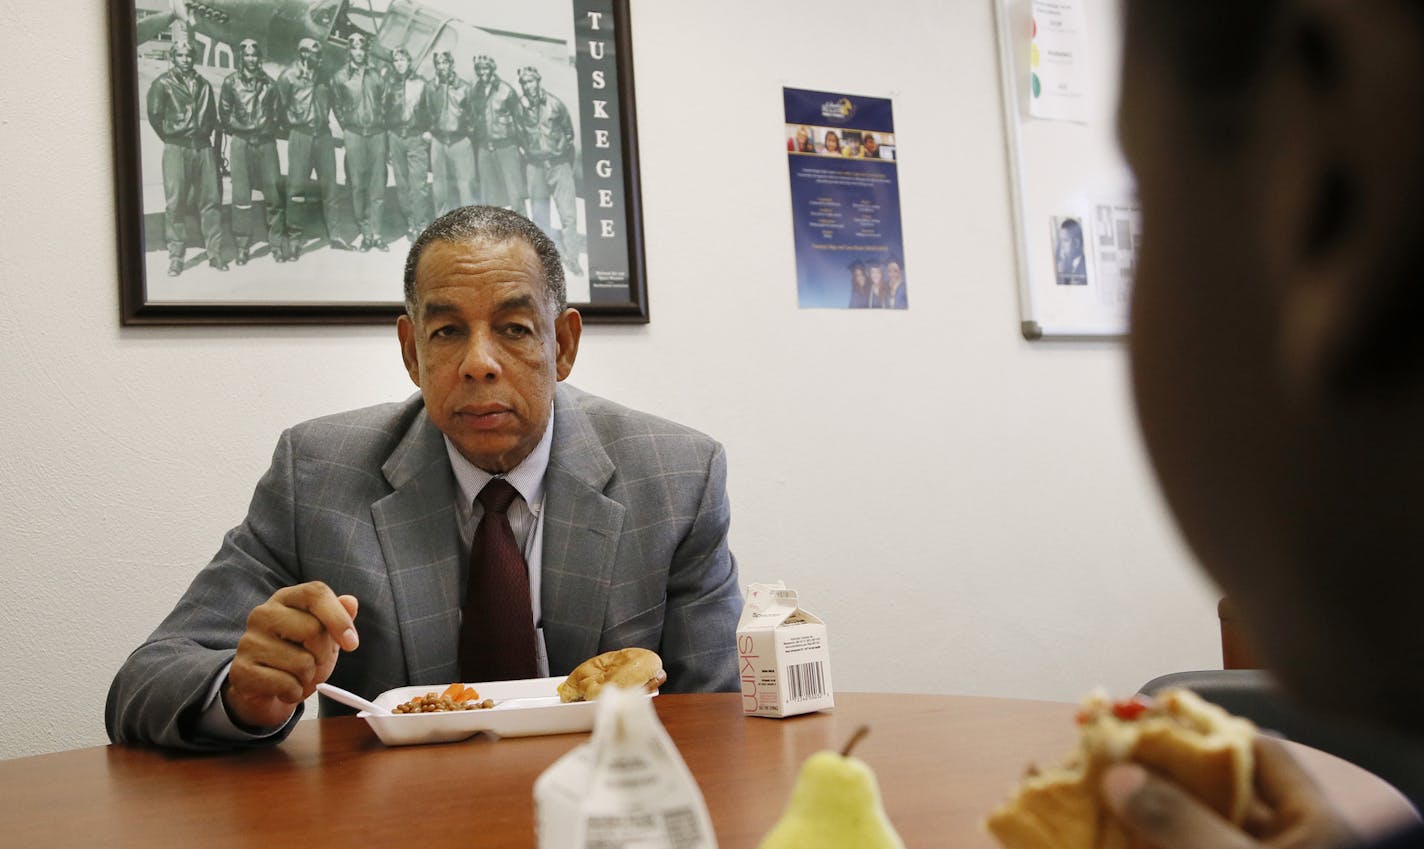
(290, 645)
(1289, 811)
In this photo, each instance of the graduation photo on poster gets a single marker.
(845, 201)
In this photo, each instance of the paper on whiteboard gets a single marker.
(1058, 59)
(1094, 238)
(1117, 237)
(1070, 256)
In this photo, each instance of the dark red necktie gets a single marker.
(497, 624)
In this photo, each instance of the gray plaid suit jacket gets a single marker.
(635, 554)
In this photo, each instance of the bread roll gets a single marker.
(1193, 742)
(632, 668)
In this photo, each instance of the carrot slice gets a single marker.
(453, 692)
(470, 695)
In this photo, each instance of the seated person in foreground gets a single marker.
(1277, 360)
(354, 562)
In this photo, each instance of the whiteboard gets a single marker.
(1068, 176)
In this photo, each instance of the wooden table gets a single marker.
(942, 761)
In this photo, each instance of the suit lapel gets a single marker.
(581, 531)
(418, 530)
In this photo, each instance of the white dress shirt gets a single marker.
(526, 518)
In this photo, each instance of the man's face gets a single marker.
(183, 57)
(892, 270)
(401, 63)
(871, 145)
(444, 67)
(1291, 472)
(358, 52)
(486, 348)
(251, 59)
(876, 275)
(531, 88)
(484, 72)
(1179, 345)
(1067, 246)
(1205, 343)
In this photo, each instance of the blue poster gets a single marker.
(845, 201)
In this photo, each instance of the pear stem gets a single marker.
(855, 738)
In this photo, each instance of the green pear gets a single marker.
(835, 805)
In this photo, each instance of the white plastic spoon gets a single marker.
(350, 699)
(528, 702)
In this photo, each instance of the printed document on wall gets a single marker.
(1117, 238)
(845, 201)
(1058, 76)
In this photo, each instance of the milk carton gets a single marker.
(626, 788)
(783, 654)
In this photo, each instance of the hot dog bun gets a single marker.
(632, 668)
(1057, 808)
(1193, 742)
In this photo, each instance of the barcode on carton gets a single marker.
(805, 681)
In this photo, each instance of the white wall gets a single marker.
(970, 512)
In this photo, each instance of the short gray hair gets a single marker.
(494, 224)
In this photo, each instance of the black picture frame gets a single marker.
(587, 66)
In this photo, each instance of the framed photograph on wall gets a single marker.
(275, 158)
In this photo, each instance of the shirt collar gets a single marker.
(527, 477)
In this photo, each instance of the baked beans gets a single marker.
(433, 702)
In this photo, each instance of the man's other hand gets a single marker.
(1289, 811)
(290, 645)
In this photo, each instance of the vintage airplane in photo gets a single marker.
(421, 28)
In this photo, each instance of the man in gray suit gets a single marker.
(622, 518)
